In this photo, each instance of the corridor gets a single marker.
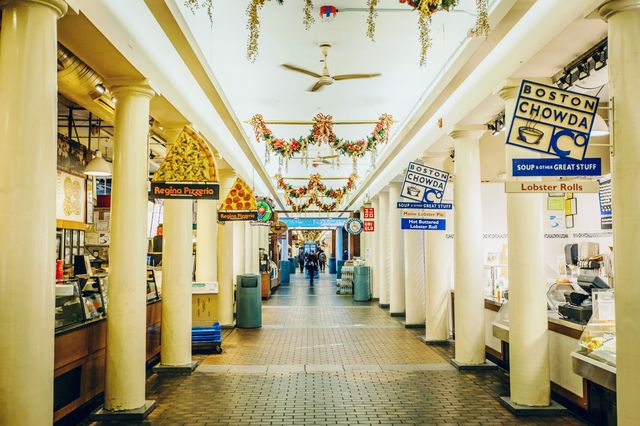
(321, 359)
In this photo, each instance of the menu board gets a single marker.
(70, 197)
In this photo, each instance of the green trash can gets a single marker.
(249, 303)
(284, 271)
(293, 262)
(362, 283)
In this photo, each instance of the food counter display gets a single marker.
(80, 340)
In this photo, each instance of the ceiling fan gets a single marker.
(326, 79)
(319, 160)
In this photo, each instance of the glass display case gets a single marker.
(595, 357)
(598, 341)
(69, 304)
(92, 292)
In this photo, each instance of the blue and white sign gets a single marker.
(424, 184)
(553, 121)
(423, 224)
(425, 206)
(313, 222)
(556, 167)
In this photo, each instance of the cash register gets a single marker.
(579, 305)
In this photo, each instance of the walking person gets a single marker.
(312, 266)
(301, 261)
(322, 260)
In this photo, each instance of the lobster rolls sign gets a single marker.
(189, 171)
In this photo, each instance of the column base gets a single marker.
(375, 299)
(435, 342)
(383, 305)
(228, 326)
(553, 409)
(397, 314)
(412, 325)
(135, 415)
(488, 365)
(175, 370)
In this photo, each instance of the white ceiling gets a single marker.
(266, 88)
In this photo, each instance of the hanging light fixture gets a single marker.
(98, 166)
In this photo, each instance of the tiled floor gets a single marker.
(323, 359)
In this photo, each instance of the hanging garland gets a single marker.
(194, 5)
(311, 201)
(322, 133)
(371, 19)
(428, 7)
(317, 188)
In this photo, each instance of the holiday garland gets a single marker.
(311, 201)
(322, 133)
(316, 188)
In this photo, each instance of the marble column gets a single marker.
(374, 260)
(396, 247)
(528, 322)
(383, 248)
(127, 319)
(624, 62)
(207, 240)
(28, 123)
(226, 243)
(415, 277)
(468, 282)
(438, 263)
(249, 266)
(177, 275)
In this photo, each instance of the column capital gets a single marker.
(509, 89)
(396, 185)
(611, 7)
(59, 6)
(127, 87)
(474, 131)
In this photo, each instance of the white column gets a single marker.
(127, 317)
(255, 250)
(383, 249)
(528, 343)
(396, 247)
(226, 244)
(376, 269)
(339, 244)
(28, 122)
(249, 267)
(468, 283)
(438, 260)
(177, 267)
(238, 249)
(624, 62)
(207, 240)
(414, 277)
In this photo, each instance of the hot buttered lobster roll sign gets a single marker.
(189, 170)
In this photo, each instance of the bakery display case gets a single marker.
(595, 357)
(69, 304)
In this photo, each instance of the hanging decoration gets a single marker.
(371, 19)
(194, 5)
(316, 187)
(322, 133)
(313, 200)
(427, 8)
(308, 19)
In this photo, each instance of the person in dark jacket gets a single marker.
(312, 266)
(301, 259)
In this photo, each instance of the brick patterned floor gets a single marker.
(323, 359)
